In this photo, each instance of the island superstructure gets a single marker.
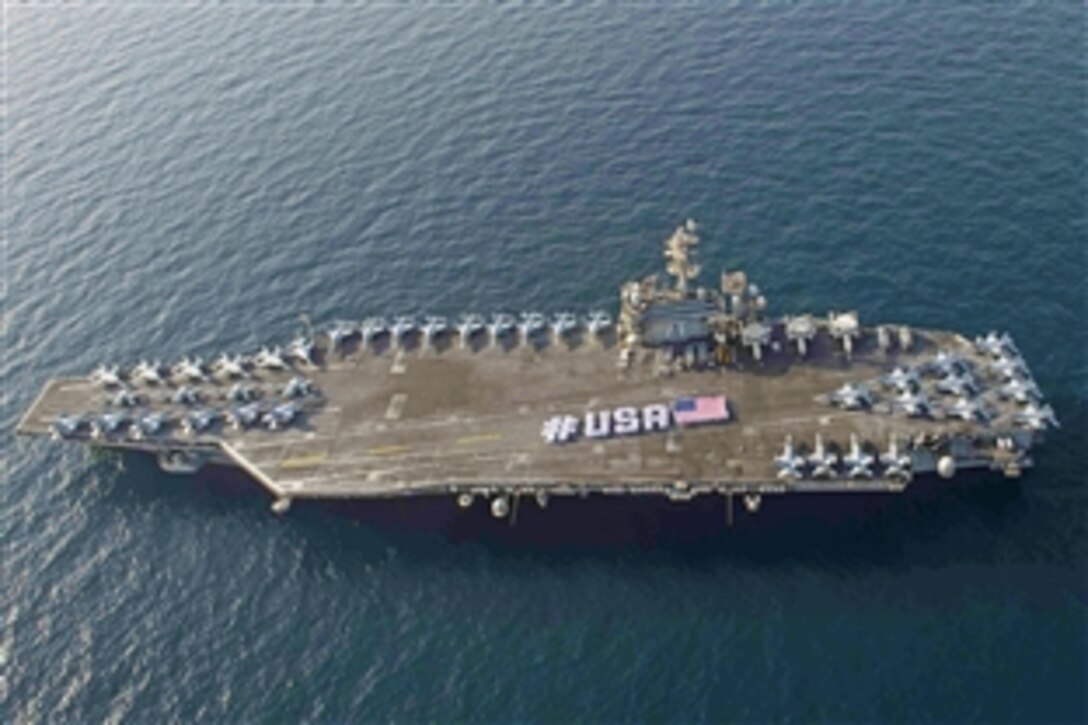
(686, 391)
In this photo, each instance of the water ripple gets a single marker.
(189, 179)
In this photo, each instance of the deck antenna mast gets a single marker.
(678, 252)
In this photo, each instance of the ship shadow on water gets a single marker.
(869, 528)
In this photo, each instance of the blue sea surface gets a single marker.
(186, 178)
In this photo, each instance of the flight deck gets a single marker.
(428, 421)
(689, 392)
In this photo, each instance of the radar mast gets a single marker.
(679, 253)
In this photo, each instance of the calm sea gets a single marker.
(191, 178)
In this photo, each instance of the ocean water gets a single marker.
(192, 178)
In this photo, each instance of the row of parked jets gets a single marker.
(956, 378)
(856, 463)
(1018, 384)
(141, 426)
(239, 392)
(529, 326)
(302, 350)
(194, 370)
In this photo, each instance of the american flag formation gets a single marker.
(700, 409)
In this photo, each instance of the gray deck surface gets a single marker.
(395, 422)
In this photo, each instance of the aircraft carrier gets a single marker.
(683, 391)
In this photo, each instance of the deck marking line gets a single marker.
(396, 406)
(483, 438)
(303, 461)
(398, 364)
(386, 450)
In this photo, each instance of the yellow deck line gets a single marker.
(386, 450)
(303, 461)
(483, 438)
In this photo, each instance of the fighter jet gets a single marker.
(563, 324)
(1009, 367)
(301, 350)
(598, 322)
(185, 395)
(148, 425)
(903, 379)
(996, 345)
(532, 324)
(297, 387)
(883, 338)
(125, 399)
(149, 373)
(190, 369)
(857, 461)
(270, 359)
(961, 384)
(896, 464)
(66, 426)
(800, 330)
(108, 424)
(469, 326)
(852, 396)
(915, 405)
(373, 328)
(844, 327)
(823, 461)
(107, 376)
(403, 327)
(756, 335)
(502, 324)
(947, 363)
(1037, 418)
(198, 420)
(968, 410)
(340, 333)
(1022, 390)
(230, 368)
(240, 393)
(434, 328)
(280, 416)
(244, 416)
(789, 463)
